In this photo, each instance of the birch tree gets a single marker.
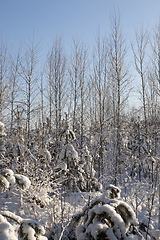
(29, 79)
(14, 81)
(78, 92)
(56, 70)
(101, 88)
(119, 80)
(140, 54)
(4, 77)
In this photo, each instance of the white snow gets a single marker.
(155, 233)
(116, 218)
(4, 184)
(9, 175)
(96, 227)
(6, 230)
(23, 181)
(111, 234)
(32, 229)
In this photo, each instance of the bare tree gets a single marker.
(13, 79)
(74, 83)
(101, 89)
(78, 79)
(119, 80)
(56, 69)
(139, 52)
(154, 84)
(29, 78)
(4, 77)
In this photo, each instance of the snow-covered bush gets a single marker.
(79, 174)
(31, 230)
(7, 178)
(6, 230)
(28, 230)
(106, 218)
(9, 175)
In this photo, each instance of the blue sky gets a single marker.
(72, 19)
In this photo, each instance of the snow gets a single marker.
(63, 166)
(6, 230)
(46, 205)
(46, 154)
(31, 228)
(23, 181)
(132, 220)
(96, 227)
(116, 218)
(9, 175)
(111, 234)
(155, 233)
(80, 229)
(4, 184)
(11, 215)
(68, 151)
(29, 232)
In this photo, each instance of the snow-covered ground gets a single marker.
(33, 206)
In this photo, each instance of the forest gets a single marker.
(77, 162)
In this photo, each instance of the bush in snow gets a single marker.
(79, 177)
(106, 218)
(22, 181)
(6, 230)
(7, 178)
(28, 230)
(31, 230)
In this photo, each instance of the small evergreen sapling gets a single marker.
(68, 161)
(87, 166)
(79, 174)
(67, 132)
(75, 174)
